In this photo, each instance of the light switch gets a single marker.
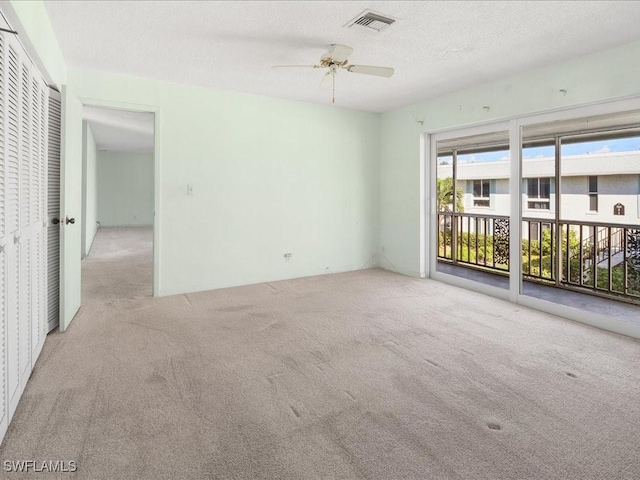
(190, 189)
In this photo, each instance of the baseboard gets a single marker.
(385, 264)
(88, 248)
(168, 292)
(142, 225)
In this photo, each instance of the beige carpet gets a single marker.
(349, 376)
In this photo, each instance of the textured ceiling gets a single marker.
(120, 130)
(435, 47)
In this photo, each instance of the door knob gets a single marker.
(70, 220)
(55, 221)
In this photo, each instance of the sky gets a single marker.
(603, 146)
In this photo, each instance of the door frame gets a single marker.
(156, 111)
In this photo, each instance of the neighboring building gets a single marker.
(600, 200)
(592, 185)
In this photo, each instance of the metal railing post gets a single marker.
(454, 219)
(558, 242)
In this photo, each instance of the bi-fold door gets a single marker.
(53, 212)
(24, 102)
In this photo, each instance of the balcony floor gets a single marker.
(618, 310)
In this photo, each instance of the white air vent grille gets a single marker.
(371, 21)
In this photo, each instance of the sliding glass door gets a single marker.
(543, 210)
(581, 213)
(539, 211)
(472, 207)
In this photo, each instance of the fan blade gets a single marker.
(327, 80)
(377, 71)
(338, 53)
(295, 66)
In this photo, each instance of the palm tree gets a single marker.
(444, 196)
(444, 203)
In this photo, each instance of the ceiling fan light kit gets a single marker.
(337, 57)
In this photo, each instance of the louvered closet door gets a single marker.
(4, 416)
(24, 237)
(12, 235)
(23, 208)
(37, 225)
(43, 218)
(53, 211)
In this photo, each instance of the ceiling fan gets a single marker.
(336, 58)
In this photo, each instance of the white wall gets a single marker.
(270, 177)
(89, 189)
(618, 182)
(612, 189)
(125, 189)
(609, 74)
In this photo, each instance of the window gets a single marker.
(481, 191)
(539, 193)
(593, 194)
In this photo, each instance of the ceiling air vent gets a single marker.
(372, 22)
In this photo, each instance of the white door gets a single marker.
(70, 207)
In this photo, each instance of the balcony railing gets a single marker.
(597, 258)
(474, 239)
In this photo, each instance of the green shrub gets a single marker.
(539, 264)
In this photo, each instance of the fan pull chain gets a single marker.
(333, 83)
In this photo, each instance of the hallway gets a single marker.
(119, 266)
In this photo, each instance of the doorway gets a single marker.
(118, 204)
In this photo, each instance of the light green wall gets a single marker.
(270, 177)
(33, 17)
(334, 187)
(125, 189)
(89, 189)
(609, 74)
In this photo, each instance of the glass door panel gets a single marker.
(599, 205)
(538, 208)
(472, 205)
(580, 201)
